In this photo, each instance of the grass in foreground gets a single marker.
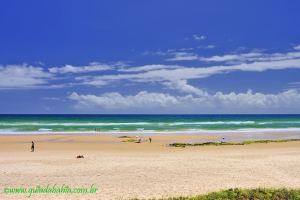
(230, 143)
(246, 194)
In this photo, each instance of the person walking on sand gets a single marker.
(32, 146)
(150, 139)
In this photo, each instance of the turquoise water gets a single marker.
(154, 123)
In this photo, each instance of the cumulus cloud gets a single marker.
(92, 67)
(183, 86)
(249, 102)
(22, 76)
(117, 101)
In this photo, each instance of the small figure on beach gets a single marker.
(32, 146)
(80, 156)
(223, 140)
(150, 139)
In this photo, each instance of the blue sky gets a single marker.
(150, 56)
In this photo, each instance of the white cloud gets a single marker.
(294, 85)
(51, 98)
(232, 57)
(116, 101)
(210, 46)
(187, 73)
(148, 68)
(171, 75)
(199, 37)
(98, 82)
(249, 102)
(183, 86)
(181, 56)
(92, 67)
(297, 47)
(254, 56)
(22, 76)
(181, 49)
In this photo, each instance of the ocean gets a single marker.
(22, 124)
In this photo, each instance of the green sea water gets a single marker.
(145, 123)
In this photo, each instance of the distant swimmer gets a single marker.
(32, 146)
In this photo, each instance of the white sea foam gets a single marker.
(45, 129)
(8, 130)
(123, 123)
(280, 122)
(212, 123)
(181, 132)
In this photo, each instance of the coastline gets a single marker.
(228, 135)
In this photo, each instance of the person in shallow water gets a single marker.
(32, 146)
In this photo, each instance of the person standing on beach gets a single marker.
(150, 139)
(32, 146)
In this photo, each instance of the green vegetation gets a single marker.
(269, 141)
(125, 136)
(130, 140)
(203, 144)
(230, 143)
(246, 194)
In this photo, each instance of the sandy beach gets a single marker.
(124, 170)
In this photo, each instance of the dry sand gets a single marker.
(127, 170)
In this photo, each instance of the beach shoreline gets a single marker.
(226, 135)
(124, 170)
